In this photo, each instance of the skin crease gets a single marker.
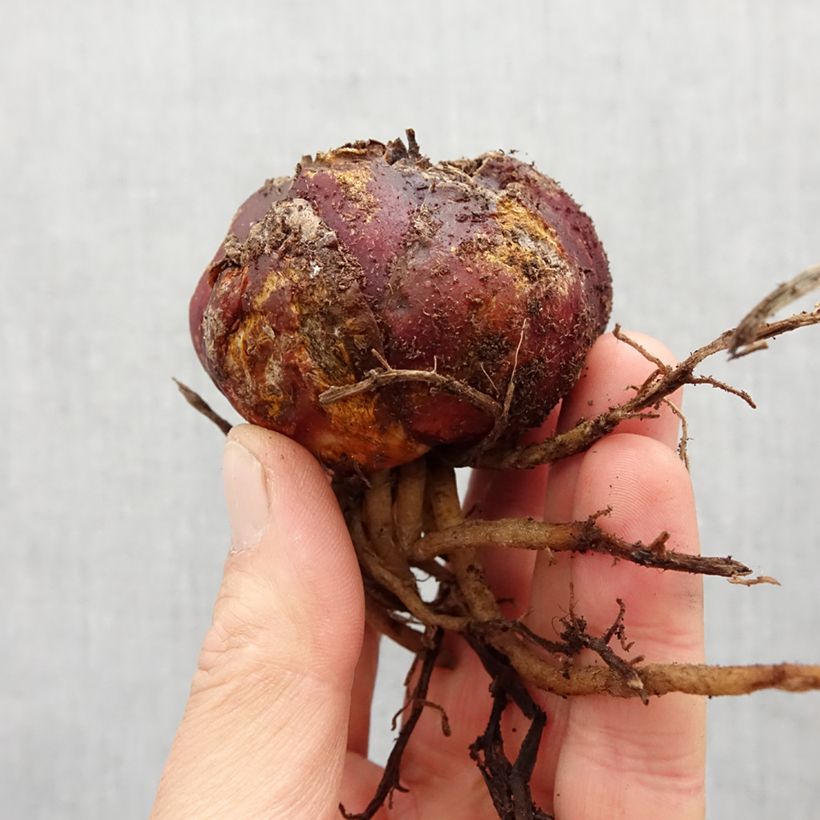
(278, 718)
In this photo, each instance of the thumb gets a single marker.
(264, 733)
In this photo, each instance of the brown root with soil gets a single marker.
(407, 520)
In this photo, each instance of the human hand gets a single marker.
(278, 716)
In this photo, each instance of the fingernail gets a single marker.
(246, 492)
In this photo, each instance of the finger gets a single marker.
(510, 494)
(611, 367)
(624, 759)
(359, 784)
(361, 699)
(264, 731)
(612, 371)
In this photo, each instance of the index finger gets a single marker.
(621, 758)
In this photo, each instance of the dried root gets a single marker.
(508, 781)
(751, 335)
(201, 406)
(416, 702)
(580, 536)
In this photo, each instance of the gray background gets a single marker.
(129, 133)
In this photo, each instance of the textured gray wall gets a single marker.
(130, 131)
